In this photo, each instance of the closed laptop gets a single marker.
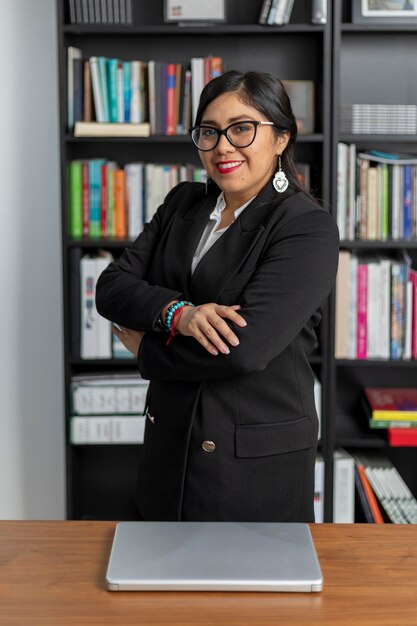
(213, 556)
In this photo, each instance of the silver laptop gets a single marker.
(213, 556)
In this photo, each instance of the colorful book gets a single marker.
(362, 303)
(392, 403)
(402, 437)
(76, 196)
(370, 496)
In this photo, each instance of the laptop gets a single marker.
(213, 556)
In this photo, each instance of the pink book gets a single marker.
(361, 310)
(413, 278)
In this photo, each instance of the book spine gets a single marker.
(120, 203)
(88, 311)
(76, 220)
(104, 198)
(120, 93)
(86, 199)
(265, 11)
(95, 81)
(397, 311)
(112, 83)
(102, 68)
(134, 92)
(370, 496)
(413, 279)
(407, 190)
(127, 94)
(362, 297)
(170, 98)
(88, 104)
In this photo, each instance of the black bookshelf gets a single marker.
(299, 50)
(384, 50)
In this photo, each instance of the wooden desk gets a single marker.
(52, 574)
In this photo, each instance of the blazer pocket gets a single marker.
(238, 281)
(255, 440)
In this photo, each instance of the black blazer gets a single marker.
(278, 260)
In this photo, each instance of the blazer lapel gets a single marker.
(182, 241)
(228, 254)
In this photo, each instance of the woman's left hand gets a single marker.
(130, 338)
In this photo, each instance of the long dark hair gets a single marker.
(266, 94)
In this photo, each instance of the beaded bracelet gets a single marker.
(174, 307)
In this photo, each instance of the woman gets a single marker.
(239, 269)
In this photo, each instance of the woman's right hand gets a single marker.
(206, 323)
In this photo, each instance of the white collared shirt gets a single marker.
(210, 234)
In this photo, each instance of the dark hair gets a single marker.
(266, 94)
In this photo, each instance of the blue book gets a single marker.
(126, 81)
(112, 84)
(94, 171)
(407, 197)
(102, 69)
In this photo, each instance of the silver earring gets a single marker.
(280, 181)
(207, 184)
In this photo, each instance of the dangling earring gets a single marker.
(280, 181)
(208, 181)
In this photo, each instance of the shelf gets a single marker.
(105, 363)
(379, 245)
(378, 138)
(316, 137)
(379, 28)
(374, 363)
(98, 243)
(353, 432)
(213, 30)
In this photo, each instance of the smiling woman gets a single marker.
(237, 271)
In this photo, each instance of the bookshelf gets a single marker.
(99, 478)
(370, 65)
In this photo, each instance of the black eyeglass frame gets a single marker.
(224, 132)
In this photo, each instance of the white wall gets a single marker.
(31, 363)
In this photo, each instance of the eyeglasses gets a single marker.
(239, 134)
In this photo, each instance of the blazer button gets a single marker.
(208, 446)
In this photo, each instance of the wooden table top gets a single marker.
(53, 574)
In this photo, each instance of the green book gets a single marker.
(76, 199)
(392, 424)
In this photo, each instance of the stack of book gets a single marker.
(113, 202)
(376, 308)
(383, 495)
(378, 119)
(376, 195)
(395, 411)
(100, 11)
(276, 12)
(111, 97)
(107, 409)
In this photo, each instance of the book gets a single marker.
(73, 54)
(106, 429)
(76, 199)
(343, 488)
(402, 437)
(99, 394)
(364, 504)
(95, 329)
(392, 404)
(342, 306)
(96, 129)
(370, 496)
(319, 490)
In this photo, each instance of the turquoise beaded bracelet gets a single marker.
(172, 309)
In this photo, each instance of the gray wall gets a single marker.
(31, 363)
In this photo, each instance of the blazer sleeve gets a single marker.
(294, 277)
(122, 294)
